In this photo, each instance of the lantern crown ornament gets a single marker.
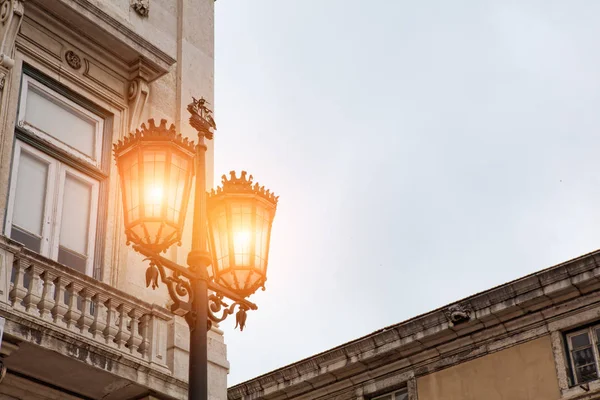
(240, 216)
(156, 165)
(243, 184)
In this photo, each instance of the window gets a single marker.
(583, 353)
(55, 180)
(60, 121)
(397, 395)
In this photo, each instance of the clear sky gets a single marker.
(423, 151)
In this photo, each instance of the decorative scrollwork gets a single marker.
(178, 286)
(216, 305)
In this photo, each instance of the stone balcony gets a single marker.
(81, 335)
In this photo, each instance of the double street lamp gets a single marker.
(230, 234)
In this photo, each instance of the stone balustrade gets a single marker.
(71, 301)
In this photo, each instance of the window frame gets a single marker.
(99, 171)
(393, 393)
(50, 186)
(53, 96)
(590, 330)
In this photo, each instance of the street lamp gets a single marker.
(156, 167)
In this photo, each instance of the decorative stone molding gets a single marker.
(73, 59)
(2, 80)
(138, 94)
(11, 15)
(458, 314)
(142, 7)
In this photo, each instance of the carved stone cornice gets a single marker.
(91, 22)
(11, 15)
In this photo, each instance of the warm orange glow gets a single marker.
(155, 194)
(241, 242)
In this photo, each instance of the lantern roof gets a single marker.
(152, 132)
(243, 184)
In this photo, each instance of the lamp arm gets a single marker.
(223, 291)
(179, 286)
(173, 266)
(216, 304)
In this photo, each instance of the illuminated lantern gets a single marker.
(240, 215)
(156, 166)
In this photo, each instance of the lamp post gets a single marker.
(156, 167)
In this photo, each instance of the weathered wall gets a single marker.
(523, 372)
(184, 31)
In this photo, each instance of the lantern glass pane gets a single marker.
(179, 169)
(129, 168)
(221, 242)
(241, 226)
(155, 187)
(263, 220)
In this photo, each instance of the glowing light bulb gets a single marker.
(241, 242)
(155, 194)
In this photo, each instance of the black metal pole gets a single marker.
(199, 260)
(198, 381)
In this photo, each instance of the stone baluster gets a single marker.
(122, 335)
(86, 318)
(145, 332)
(135, 339)
(47, 301)
(111, 330)
(158, 340)
(100, 317)
(60, 308)
(73, 314)
(18, 291)
(34, 289)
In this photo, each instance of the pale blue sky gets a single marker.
(423, 150)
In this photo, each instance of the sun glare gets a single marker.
(155, 194)
(241, 242)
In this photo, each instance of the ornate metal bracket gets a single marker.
(216, 305)
(179, 287)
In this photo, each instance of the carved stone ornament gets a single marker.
(138, 97)
(142, 7)
(73, 59)
(458, 314)
(2, 80)
(11, 14)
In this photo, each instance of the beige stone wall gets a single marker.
(523, 372)
(184, 31)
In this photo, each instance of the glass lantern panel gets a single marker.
(130, 168)
(242, 278)
(221, 243)
(178, 180)
(262, 238)
(153, 229)
(241, 225)
(154, 182)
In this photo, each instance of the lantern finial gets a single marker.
(201, 118)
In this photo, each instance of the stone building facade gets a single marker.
(536, 338)
(75, 77)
